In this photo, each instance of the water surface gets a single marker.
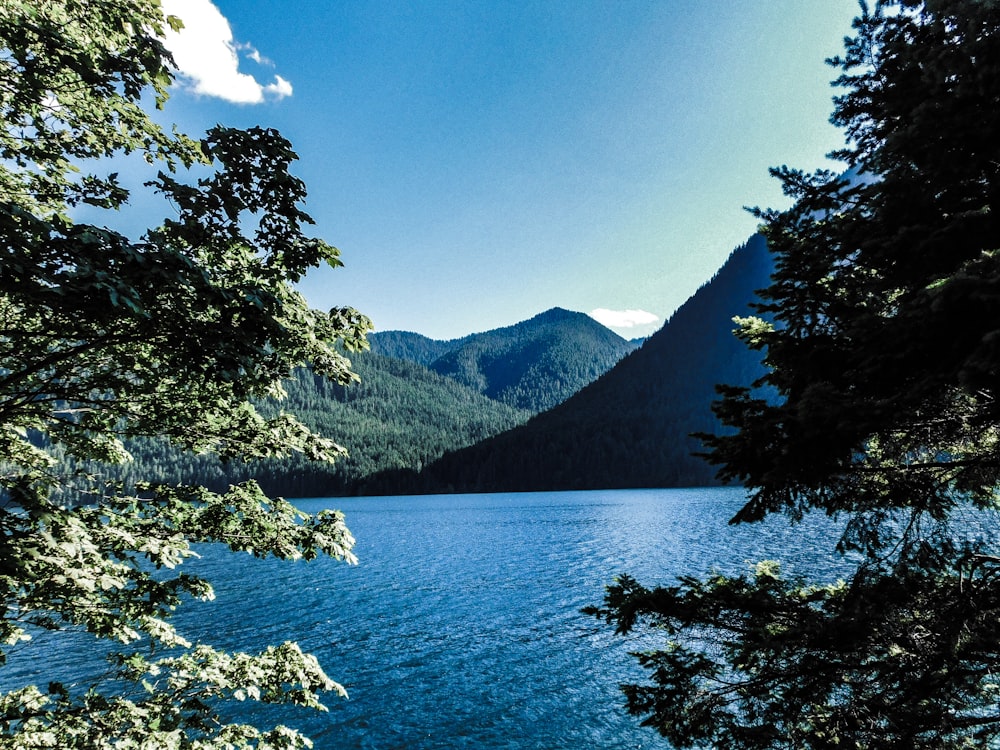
(461, 624)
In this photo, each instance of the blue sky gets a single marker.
(478, 162)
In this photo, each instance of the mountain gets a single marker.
(411, 347)
(532, 365)
(631, 427)
(401, 415)
(431, 416)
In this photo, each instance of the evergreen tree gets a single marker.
(884, 354)
(172, 335)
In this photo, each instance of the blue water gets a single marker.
(461, 624)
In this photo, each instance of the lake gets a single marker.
(461, 624)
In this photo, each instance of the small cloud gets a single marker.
(252, 53)
(206, 55)
(280, 88)
(623, 318)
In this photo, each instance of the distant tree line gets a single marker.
(400, 415)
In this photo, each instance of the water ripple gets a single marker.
(461, 625)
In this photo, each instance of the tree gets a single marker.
(171, 335)
(880, 331)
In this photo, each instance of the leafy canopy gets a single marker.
(173, 335)
(881, 332)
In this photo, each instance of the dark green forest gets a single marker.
(403, 415)
(400, 415)
(633, 426)
(532, 365)
(557, 402)
(541, 405)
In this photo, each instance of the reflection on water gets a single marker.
(461, 625)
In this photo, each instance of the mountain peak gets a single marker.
(534, 364)
(556, 313)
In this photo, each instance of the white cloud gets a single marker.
(207, 58)
(254, 54)
(623, 318)
(280, 88)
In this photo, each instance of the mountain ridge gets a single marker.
(411, 429)
(534, 364)
(403, 414)
(630, 427)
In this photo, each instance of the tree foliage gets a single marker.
(174, 334)
(882, 348)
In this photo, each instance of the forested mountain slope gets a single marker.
(631, 427)
(400, 415)
(532, 365)
(408, 427)
(409, 346)
(403, 415)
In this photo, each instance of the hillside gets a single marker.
(412, 347)
(532, 365)
(400, 415)
(432, 416)
(403, 415)
(631, 427)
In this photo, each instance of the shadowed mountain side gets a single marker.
(631, 427)
(532, 365)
